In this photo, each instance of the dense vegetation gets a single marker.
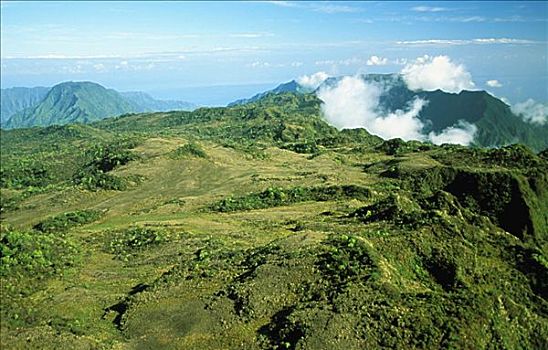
(260, 226)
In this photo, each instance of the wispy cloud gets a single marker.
(283, 3)
(251, 35)
(323, 7)
(266, 64)
(429, 9)
(331, 9)
(479, 41)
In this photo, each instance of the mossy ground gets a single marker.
(418, 262)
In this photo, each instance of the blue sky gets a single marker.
(232, 49)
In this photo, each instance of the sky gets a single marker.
(214, 52)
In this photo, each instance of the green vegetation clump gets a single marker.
(126, 243)
(27, 252)
(25, 173)
(398, 146)
(302, 147)
(101, 160)
(188, 150)
(28, 259)
(66, 221)
(347, 259)
(275, 196)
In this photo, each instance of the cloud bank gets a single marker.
(353, 103)
(439, 72)
(531, 111)
(312, 81)
(463, 134)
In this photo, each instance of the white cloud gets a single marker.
(463, 134)
(403, 124)
(478, 41)
(439, 72)
(503, 41)
(331, 9)
(283, 3)
(312, 81)
(531, 111)
(376, 61)
(353, 103)
(317, 7)
(428, 9)
(493, 83)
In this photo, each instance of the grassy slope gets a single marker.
(418, 263)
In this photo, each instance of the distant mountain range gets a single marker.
(73, 102)
(16, 99)
(496, 124)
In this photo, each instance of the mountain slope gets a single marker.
(143, 102)
(291, 86)
(72, 102)
(16, 99)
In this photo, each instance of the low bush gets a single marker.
(65, 221)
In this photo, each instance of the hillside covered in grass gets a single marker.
(260, 226)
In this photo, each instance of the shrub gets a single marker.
(188, 150)
(274, 196)
(128, 242)
(65, 221)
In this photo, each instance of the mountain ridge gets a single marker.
(29, 113)
(497, 124)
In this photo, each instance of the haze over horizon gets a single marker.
(212, 53)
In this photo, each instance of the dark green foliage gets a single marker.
(274, 196)
(101, 159)
(33, 253)
(65, 221)
(124, 244)
(25, 173)
(396, 208)
(303, 147)
(398, 146)
(28, 259)
(347, 259)
(188, 150)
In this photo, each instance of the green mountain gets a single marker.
(260, 226)
(72, 102)
(497, 125)
(143, 102)
(291, 86)
(16, 99)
